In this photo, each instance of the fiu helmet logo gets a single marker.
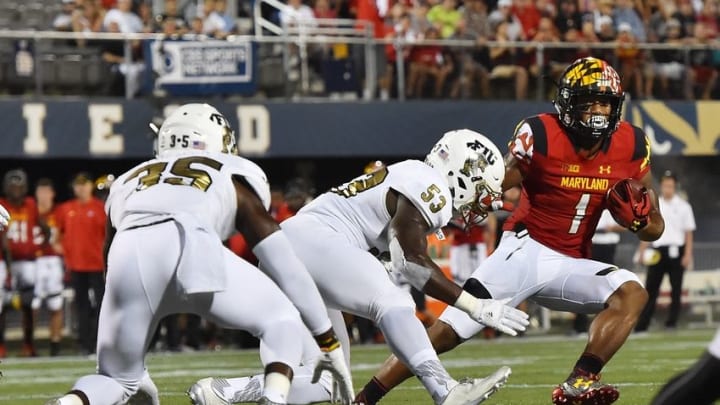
(604, 169)
(484, 150)
(228, 141)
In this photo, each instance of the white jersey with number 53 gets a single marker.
(199, 184)
(358, 208)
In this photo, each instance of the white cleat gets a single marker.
(476, 390)
(208, 392)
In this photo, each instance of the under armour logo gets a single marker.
(604, 169)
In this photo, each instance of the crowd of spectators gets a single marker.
(619, 26)
(687, 71)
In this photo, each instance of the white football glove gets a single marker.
(334, 362)
(497, 314)
(4, 218)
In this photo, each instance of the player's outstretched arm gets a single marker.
(279, 262)
(408, 254)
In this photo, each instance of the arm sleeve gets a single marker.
(279, 262)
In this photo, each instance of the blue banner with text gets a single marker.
(119, 128)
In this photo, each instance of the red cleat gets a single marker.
(584, 390)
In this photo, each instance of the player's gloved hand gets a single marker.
(496, 204)
(332, 360)
(631, 214)
(501, 205)
(4, 218)
(494, 313)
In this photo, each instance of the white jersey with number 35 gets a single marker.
(358, 208)
(198, 184)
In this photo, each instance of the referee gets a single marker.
(673, 252)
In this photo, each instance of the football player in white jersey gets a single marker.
(167, 218)
(393, 210)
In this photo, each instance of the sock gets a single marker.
(371, 393)
(409, 341)
(588, 364)
(277, 387)
(28, 326)
(54, 348)
(74, 398)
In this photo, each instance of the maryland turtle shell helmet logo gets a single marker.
(584, 82)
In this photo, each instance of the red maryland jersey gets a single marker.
(566, 193)
(50, 219)
(23, 229)
(518, 214)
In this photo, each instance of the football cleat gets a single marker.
(584, 389)
(474, 391)
(28, 350)
(208, 391)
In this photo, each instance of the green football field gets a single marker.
(538, 363)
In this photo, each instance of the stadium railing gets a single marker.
(52, 50)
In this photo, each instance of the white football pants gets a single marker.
(522, 268)
(141, 289)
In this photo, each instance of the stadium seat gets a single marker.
(70, 71)
(48, 65)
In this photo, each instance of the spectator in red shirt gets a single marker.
(528, 15)
(428, 61)
(81, 223)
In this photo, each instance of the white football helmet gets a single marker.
(474, 169)
(195, 127)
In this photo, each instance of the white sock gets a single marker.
(302, 391)
(70, 399)
(409, 342)
(277, 387)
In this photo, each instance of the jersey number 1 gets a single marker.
(580, 210)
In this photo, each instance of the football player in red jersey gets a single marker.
(566, 162)
(23, 249)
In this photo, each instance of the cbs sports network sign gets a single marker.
(193, 68)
